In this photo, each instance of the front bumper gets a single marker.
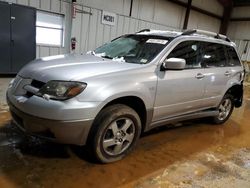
(68, 132)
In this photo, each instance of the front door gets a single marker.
(181, 91)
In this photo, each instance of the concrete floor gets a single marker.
(4, 82)
(196, 154)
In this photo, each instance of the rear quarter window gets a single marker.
(233, 59)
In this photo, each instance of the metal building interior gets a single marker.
(191, 153)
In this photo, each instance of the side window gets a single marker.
(213, 55)
(233, 59)
(188, 50)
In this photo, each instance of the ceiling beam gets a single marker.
(226, 17)
(240, 19)
(242, 5)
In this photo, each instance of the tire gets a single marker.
(225, 108)
(114, 134)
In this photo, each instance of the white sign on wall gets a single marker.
(108, 18)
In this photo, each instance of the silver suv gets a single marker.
(106, 98)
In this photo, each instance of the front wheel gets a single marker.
(115, 133)
(225, 109)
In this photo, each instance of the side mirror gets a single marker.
(173, 64)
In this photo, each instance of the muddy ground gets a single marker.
(194, 154)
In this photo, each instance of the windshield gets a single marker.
(133, 48)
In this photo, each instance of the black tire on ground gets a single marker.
(114, 134)
(225, 108)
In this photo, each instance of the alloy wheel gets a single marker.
(224, 109)
(118, 136)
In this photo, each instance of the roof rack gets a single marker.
(189, 32)
(207, 33)
(144, 30)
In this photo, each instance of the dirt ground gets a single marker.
(192, 154)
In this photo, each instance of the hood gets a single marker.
(72, 67)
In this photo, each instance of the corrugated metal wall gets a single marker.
(202, 21)
(56, 6)
(243, 49)
(90, 33)
(239, 32)
(153, 14)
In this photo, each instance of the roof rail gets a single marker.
(189, 32)
(207, 33)
(144, 30)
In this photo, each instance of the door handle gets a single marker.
(227, 73)
(199, 76)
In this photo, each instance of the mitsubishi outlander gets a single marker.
(106, 98)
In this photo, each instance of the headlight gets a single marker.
(61, 90)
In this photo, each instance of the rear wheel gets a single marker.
(115, 133)
(225, 109)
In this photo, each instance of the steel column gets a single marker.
(185, 24)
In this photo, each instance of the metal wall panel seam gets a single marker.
(80, 39)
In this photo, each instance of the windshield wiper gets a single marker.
(99, 55)
(106, 56)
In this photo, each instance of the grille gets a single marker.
(29, 94)
(34, 87)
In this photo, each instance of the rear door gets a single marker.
(180, 91)
(217, 72)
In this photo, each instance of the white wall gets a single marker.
(168, 14)
(90, 33)
(116, 6)
(241, 12)
(56, 6)
(239, 31)
(201, 21)
(153, 14)
(243, 49)
(212, 6)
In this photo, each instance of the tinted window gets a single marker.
(233, 59)
(188, 50)
(213, 55)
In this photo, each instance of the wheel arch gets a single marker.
(134, 102)
(237, 92)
